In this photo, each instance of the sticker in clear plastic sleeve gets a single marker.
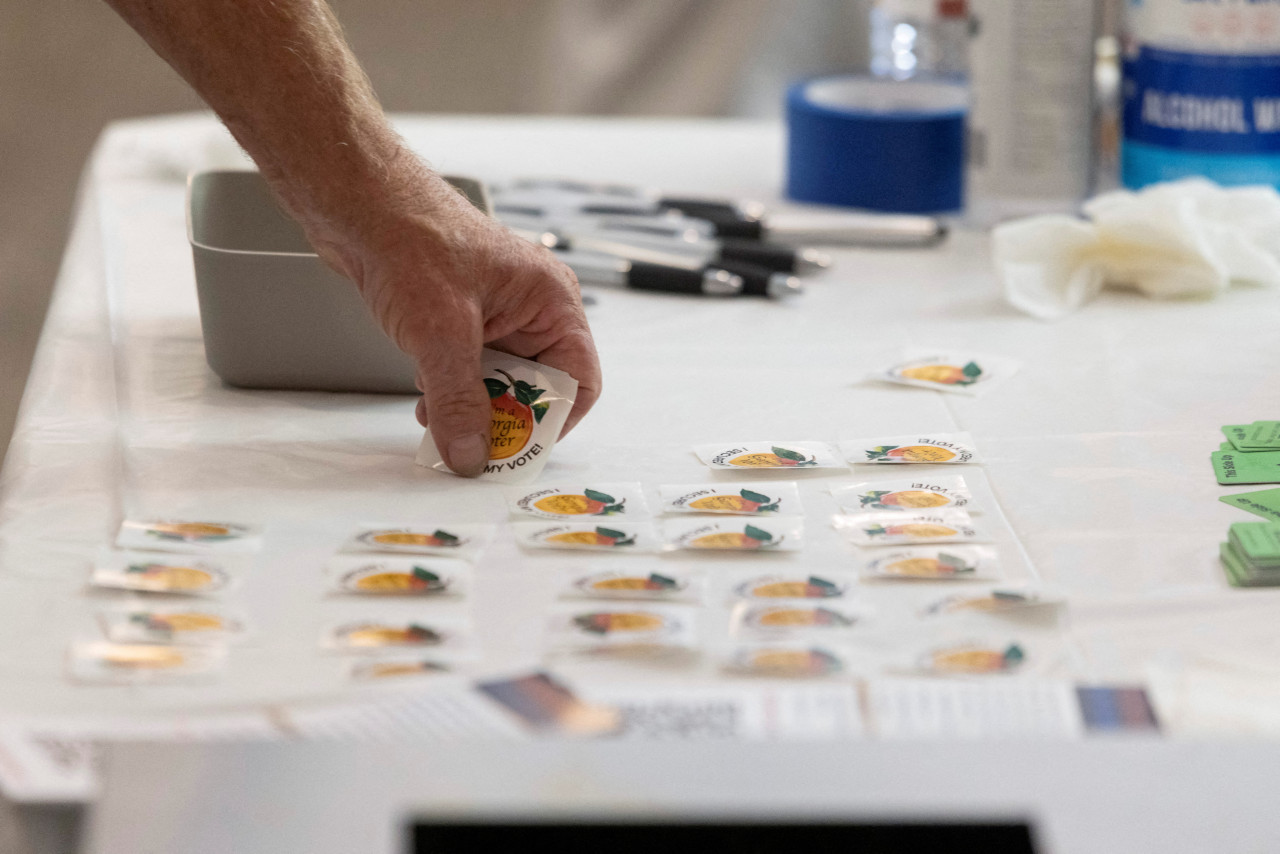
(378, 669)
(666, 584)
(115, 663)
(190, 536)
(625, 627)
(152, 573)
(974, 658)
(786, 659)
(905, 494)
(785, 619)
(738, 535)
(997, 600)
(171, 625)
(897, 529)
(529, 403)
(606, 535)
(378, 634)
(456, 540)
(759, 456)
(576, 502)
(739, 499)
(400, 576)
(934, 564)
(957, 373)
(798, 586)
(920, 449)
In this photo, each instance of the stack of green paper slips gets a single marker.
(1251, 456)
(1251, 554)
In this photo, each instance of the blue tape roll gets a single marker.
(883, 145)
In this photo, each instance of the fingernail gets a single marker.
(468, 454)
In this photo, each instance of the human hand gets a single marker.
(444, 280)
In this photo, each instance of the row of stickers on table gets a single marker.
(1251, 454)
(529, 403)
(906, 528)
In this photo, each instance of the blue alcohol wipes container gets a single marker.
(1201, 91)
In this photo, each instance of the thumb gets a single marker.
(455, 403)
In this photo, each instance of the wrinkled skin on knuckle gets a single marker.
(455, 406)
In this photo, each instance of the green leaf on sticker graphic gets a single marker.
(597, 624)
(539, 410)
(662, 580)
(953, 563)
(1014, 655)
(757, 533)
(877, 531)
(788, 455)
(599, 496)
(972, 370)
(880, 452)
(425, 575)
(611, 533)
(872, 497)
(445, 538)
(526, 393)
(496, 388)
(755, 497)
(815, 581)
(421, 634)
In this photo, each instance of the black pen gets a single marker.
(666, 249)
(594, 268)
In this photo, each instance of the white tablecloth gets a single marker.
(1096, 451)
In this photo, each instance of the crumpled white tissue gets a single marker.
(1188, 238)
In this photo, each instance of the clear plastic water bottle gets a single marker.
(919, 38)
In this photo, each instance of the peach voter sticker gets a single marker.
(452, 539)
(924, 493)
(758, 535)
(157, 574)
(169, 626)
(785, 456)
(528, 404)
(960, 373)
(992, 602)
(373, 635)
(119, 662)
(395, 669)
(576, 502)
(188, 535)
(788, 660)
(921, 449)
(400, 576)
(613, 622)
(603, 536)
(778, 587)
(971, 659)
(437, 539)
(665, 584)
(754, 499)
(934, 564)
(642, 629)
(790, 617)
(875, 529)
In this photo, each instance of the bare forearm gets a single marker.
(281, 77)
(440, 277)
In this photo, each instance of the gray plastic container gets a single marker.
(274, 315)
